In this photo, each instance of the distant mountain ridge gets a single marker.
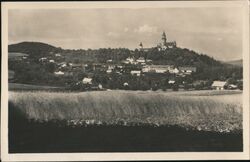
(236, 62)
(32, 48)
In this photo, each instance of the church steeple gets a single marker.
(164, 38)
(141, 46)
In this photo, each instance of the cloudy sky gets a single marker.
(216, 32)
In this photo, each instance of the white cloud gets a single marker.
(112, 34)
(146, 29)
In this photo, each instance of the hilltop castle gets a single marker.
(165, 45)
(161, 46)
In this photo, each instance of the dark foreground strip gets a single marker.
(33, 137)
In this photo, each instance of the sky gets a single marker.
(215, 31)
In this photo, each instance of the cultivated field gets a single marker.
(219, 111)
(30, 87)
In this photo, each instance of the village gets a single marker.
(131, 73)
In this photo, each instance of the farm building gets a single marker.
(135, 72)
(62, 64)
(157, 68)
(108, 61)
(77, 66)
(111, 67)
(187, 69)
(120, 66)
(58, 55)
(171, 81)
(109, 71)
(141, 60)
(174, 70)
(100, 86)
(43, 59)
(87, 81)
(130, 60)
(59, 73)
(219, 85)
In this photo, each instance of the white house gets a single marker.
(120, 66)
(109, 71)
(157, 68)
(171, 81)
(110, 60)
(59, 73)
(146, 69)
(58, 55)
(141, 60)
(187, 69)
(136, 72)
(174, 70)
(219, 85)
(63, 65)
(87, 81)
(51, 61)
(100, 86)
(111, 67)
(126, 62)
(130, 60)
(43, 59)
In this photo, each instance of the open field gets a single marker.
(16, 54)
(30, 87)
(217, 111)
(125, 121)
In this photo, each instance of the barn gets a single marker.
(219, 85)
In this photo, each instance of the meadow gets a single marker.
(218, 111)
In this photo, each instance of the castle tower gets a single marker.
(140, 46)
(164, 38)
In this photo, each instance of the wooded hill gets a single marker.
(175, 56)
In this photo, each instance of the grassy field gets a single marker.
(30, 87)
(219, 111)
(16, 54)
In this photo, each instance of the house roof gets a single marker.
(59, 72)
(187, 68)
(219, 84)
(160, 66)
(171, 81)
(140, 58)
(135, 71)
